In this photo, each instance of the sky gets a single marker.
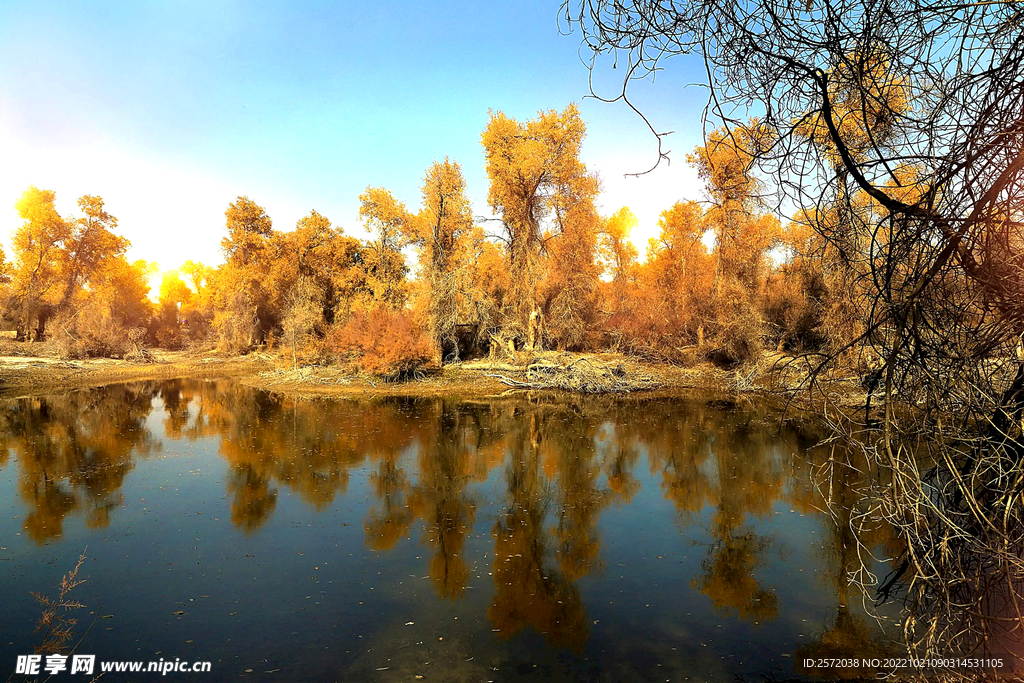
(170, 110)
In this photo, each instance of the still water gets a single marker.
(511, 539)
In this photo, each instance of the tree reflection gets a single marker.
(562, 465)
(74, 451)
(850, 636)
(528, 590)
(446, 465)
(749, 479)
(716, 455)
(306, 446)
(677, 450)
(388, 521)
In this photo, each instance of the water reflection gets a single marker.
(552, 471)
(73, 453)
(850, 636)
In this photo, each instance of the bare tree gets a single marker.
(897, 127)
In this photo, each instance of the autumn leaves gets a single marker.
(434, 284)
(70, 281)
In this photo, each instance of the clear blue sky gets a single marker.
(168, 110)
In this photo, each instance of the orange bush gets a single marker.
(384, 343)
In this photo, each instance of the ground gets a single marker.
(20, 375)
(27, 375)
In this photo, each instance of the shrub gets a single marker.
(83, 336)
(384, 343)
(737, 329)
(10, 347)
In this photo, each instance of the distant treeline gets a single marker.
(555, 275)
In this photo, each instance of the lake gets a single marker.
(576, 538)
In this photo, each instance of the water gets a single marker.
(509, 539)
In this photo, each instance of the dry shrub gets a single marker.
(138, 352)
(85, 336)
(237, 324)
(11, 347)
(570, 372)
(793, 312)
(383, 343)
(169, 338)
(738, 340)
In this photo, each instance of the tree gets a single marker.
(573, 270)
(198, 311)
(673, 302)
(89, 246)
(248, 226)
(617, 253)
(244, 313)
(174, 298)
(617, 258)
(797, 296)
(529, 165)
(387, 219)
(443, 223)
(296, 285)
(742, 239)
(36, 244)
(104, 315)
(483, 283)
(880, 88)
(64, 272)
(300, 277)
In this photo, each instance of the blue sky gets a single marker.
(169, 110)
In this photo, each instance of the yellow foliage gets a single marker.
(535, 170)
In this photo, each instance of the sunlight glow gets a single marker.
(170, 213)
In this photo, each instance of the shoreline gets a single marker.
(34, 375)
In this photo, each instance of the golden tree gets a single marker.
(67, 271)
(88, 248)
(243, 315)
(573, 270)
(534, 169)
(742, 238)
(37, 245)
(439, 229)
(672, 303)
(387, 219)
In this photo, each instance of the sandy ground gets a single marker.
(27, 375)
(32, 374)
(22, 375)
(463, 380)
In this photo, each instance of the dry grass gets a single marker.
(57, 627)
(592, 373)
(581, 373)
(304, 376)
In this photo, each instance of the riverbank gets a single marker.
(29, 375)
(774, 374)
